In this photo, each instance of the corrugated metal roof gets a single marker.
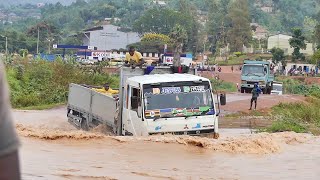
(161, 78)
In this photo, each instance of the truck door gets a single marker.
(132, 113)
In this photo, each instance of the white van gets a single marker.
(277, 88)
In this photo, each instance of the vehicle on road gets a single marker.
(277, 88)
(167, 59)
(256, 72)
(158, 103)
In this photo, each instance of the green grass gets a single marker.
(42, 107)
(223, 86)
(298, 117)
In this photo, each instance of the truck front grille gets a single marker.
(197, 132)
(251, 82)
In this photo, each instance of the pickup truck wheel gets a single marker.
(84, 125)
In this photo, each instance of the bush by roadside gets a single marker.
(221, 85)
(298, 117)
(41, 83)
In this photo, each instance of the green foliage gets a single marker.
(239, 33)
(297, 42)
(39, 82)
(178, 37)
(153, 43)
(299, 117)
(315, 59)
(220, 85)
(278, 55)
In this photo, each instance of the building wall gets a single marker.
(282, 41)
(110, 38)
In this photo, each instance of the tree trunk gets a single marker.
(176, 55)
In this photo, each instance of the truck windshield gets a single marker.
(178, 101)
(254, 70)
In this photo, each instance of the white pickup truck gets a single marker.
(158, 103)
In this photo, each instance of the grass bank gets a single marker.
(300, 117)
(223, 86)
(39, 84)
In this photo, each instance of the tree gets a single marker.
(178, 36)
(218, 24)
(239, 33)
(153, 43)
(317, 35)
(297, 42)
(278, 55)
(316, 58)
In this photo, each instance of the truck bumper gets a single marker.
(251, 86)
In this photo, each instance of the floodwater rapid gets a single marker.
(53, 149)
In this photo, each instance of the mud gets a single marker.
(263, 143)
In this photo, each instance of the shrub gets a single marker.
(39, 82)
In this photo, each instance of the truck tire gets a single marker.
(264, 91)
(84, 124)
(242, 90)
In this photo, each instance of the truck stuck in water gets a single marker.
(158, 103)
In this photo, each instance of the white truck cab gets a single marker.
(169, 103)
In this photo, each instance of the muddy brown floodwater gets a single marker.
(53, 149)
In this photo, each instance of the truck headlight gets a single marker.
(243, 82)
(262, 82)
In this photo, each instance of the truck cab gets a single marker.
(168, 103)
(256, 72)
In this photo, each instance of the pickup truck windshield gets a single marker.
(253, 70)
(178, 101)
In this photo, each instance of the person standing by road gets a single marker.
(9, 143)
(255, 94)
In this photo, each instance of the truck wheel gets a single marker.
(264, 91)
(216, 135)
(84, 125)
(242, 90)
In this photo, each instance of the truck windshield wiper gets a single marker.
(187, 117)
(156, 118)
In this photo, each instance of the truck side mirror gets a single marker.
(223, 99)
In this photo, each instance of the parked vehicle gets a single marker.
(161, 102)
(277, 88)
(167, 59)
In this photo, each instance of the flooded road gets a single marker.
(53, 149)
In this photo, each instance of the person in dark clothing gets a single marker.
(255, 94)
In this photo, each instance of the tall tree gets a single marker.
(218, 24)
(278, 55)
(239, 33)
(179, 37)
(297, 42)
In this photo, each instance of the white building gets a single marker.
(108, 37)
(282, 41)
